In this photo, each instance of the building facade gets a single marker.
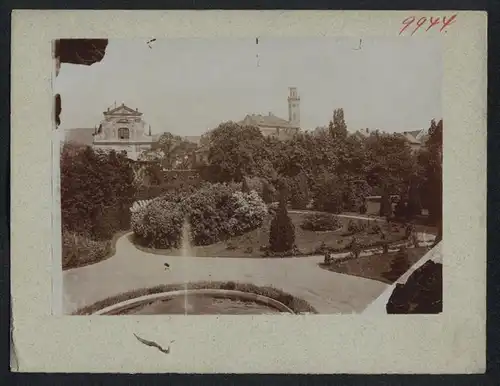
(271, 125)
(123, 129)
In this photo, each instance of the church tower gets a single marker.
(294, 107)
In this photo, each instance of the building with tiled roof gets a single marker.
(271, 125)
(415, 138)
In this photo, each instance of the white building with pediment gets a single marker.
(123, 129)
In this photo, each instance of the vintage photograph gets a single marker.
(250, 176)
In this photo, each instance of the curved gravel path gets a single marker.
(130, 269)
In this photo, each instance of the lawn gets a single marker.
(376, 267)
(250, 244)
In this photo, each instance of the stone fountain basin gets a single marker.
(122, 307)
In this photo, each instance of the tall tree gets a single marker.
(175, 151)
(337, 126)
(390, 166)
(97, 190)
(431, 159)
(236, 151)
(282, 231)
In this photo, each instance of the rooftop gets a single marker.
(269, 120)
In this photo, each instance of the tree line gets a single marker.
(332, 168)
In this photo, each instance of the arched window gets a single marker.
(123, 133)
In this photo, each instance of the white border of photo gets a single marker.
(46, 341)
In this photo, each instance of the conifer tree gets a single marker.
(282, 233)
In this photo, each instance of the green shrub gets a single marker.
(320, 222)
(375, 229)
(354, 227)
(282, 232)
(79, 250)
(215, 212)
(159, 224)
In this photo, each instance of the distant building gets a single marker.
(123, 129)
(271, 125)
(416, 139)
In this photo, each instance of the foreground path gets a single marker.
(130, 269)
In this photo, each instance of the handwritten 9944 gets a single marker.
(427, 22)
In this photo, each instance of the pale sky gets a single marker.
(187, 86)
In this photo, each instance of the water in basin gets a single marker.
(202, 305)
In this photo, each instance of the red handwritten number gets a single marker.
(420, 23)
(407, 22)
(448, 22)
(433, 22)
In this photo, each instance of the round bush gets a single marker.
(215, 212)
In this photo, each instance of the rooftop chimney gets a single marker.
(270, 113)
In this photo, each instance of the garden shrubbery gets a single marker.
(320, 222)
(78, 250)
(215, 213)
(97, 190)
(354, 227)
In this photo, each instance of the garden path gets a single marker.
(130, 269)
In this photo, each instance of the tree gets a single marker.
(237, 151)
(413, 205)
(282, 232)
(97, 190)
(175, 152)
(299, 191)
(385, 205)
(337, 127)
(389, 166)
(431, 159)
(328, 193)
